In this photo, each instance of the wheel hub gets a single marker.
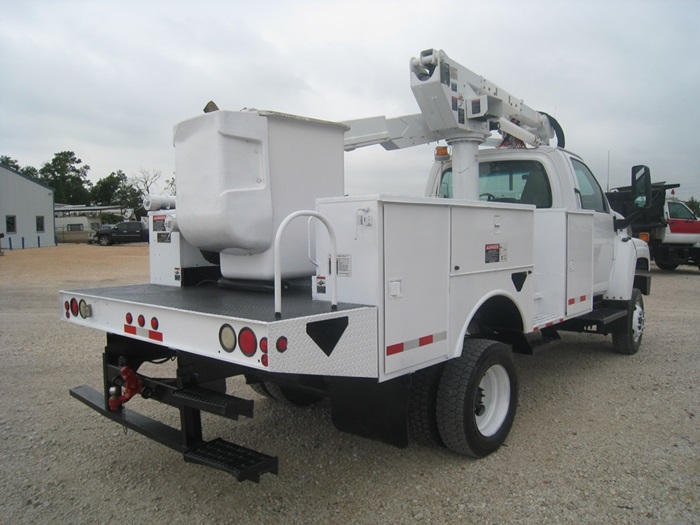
(492, 400)
(637, 322)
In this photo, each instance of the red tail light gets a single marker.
(247, 342)
(281, 344)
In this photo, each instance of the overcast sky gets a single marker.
(109, 79)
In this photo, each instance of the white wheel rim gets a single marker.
(495, 388)
(637, 322)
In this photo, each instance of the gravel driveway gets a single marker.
(598, 438)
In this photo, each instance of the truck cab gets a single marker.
(548, 178)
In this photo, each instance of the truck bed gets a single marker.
(211, 299)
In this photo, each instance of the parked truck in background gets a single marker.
(404, 311)
(670, 227)
(123, 232)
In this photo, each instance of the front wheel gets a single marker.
(477, 398)
(104, 240)
(627, 335)
(667, 266)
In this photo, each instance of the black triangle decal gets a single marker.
(327, 333)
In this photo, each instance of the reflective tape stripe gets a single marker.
(143, 332)
(415, 343)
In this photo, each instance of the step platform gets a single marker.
(243, 463)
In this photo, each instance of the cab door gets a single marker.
(591, 197)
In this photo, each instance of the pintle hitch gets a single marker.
(131, 384)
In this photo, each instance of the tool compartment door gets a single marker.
(416, 270)
(579, 262)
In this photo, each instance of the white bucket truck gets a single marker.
(403, 311)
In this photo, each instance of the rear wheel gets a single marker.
(477, 398)
(627, 336)
(422, 421)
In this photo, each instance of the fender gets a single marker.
(498, 294)
(622, 274)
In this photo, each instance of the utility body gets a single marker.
(668, 225)
(404, 311)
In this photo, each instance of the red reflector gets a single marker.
(142, 321)
(263, 345)
(156, 336)
(66, 305)
(67, 314)
(281, 344)
(427, 340)
(74, 307)
(394, 349)
(263, 359)
(130, 329)
(154, 323)
(129, 318)
(247, 342)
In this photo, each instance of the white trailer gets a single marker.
(403, 311)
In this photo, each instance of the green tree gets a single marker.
(67, 175)
(115, 189)
(5, 160)
(694, 205)
(8, 161)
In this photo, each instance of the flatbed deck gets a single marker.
(212, 299)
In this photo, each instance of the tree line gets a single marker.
(68, 176)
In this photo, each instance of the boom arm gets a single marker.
(456, 105)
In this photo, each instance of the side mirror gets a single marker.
(641, 187)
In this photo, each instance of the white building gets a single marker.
(26, 211)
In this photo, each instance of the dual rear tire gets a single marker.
(470, 406)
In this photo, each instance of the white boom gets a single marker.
(458, 106)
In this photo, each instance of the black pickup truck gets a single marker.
(129, 231)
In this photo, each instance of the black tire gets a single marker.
(104, 240)
(290, 396)
(422, 419)
(627, 334)
(477, 398)
(667, 266)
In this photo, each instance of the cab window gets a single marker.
(676, 210)
(592, 197)
(520, 182)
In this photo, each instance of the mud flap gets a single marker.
(366, 408)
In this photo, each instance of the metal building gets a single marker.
(26, 211)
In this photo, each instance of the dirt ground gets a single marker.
(598, 438)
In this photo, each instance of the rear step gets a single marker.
(243, 463)
(214, 402)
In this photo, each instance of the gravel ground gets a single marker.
(599, 437)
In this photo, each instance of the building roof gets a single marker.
(31, 179)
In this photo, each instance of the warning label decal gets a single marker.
(494, 253)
